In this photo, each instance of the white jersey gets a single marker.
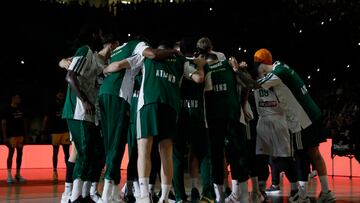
(220, 56)
(273, 137)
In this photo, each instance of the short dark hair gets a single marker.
(187, 46)
(165, 44)
(211, 56)
(109, 38)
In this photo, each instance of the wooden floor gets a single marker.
(40, 189)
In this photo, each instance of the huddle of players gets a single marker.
(169, 98)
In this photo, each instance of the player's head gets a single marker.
(177, 46)
(263, 56)
(110, 40)
(187, 46)
(91, 35)
(165, 45)
(263, 61)
(142, 38)
(60, 96)
(211, 58)
(204, 44)
(15, 98)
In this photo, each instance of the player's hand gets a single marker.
(248, 116)
(234, 64)
(200, 61)
(65, 63)
(243, 65)
(89, 107)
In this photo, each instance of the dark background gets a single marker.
(42, 32)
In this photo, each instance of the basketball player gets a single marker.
(303, 114)
(14, 131)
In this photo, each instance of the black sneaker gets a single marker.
(273, 189)
(78, 200)
(194, 195)
(155, 198)
(88, 199)
(129, 198)
(172, 195)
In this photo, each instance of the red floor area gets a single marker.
(40, 156)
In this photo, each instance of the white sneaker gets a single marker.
(328, 197)
(257, 197)
(10, 179)
(147, 199)
(95, 197)
(232, 199)
(65, 197)
(20, 179)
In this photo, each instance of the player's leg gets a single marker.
(11, 150)
(179, 154)
(19, 154)
(217, 143)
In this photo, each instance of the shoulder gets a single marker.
(82, 51)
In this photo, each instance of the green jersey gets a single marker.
(161, 81)
(192, 102)
(121, 83)
(88, 66)
(292, 93)
(221, 97)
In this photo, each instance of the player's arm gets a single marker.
(71, 78)
(65, 63)
(244, 102)
(242, 76)
(134, 61)
(197, 75)
(44, 123)
(159, 53)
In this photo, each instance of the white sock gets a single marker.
(244, 192)
(194, 182)
(302, 189)
(262, 186)
(324, 184)
(144, 187)
(77, 189)
(293, 186)
(255, 184)
(107, 190)
(219, 192)
(68, 188)
(115, 193)
(86, 189)
(9, 173)
(152, 189)
(93, 189)
(136, 189)
(123, 189)
(165, 190)
(235, 187)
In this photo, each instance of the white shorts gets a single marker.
(273, 137)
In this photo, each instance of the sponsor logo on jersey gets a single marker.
(267, 103)
(162, 74)
(190, 103)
